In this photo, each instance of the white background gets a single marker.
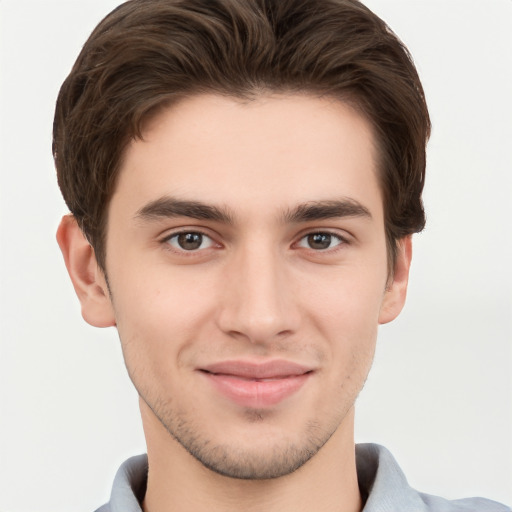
(440, 392)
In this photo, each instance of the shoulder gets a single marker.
(437, 504)
(385, 488)
(129, 486)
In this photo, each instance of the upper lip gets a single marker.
(273, 369)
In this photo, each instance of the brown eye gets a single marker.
(320, 241)
(190, 241)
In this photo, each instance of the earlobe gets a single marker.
(396, 291)
(87, 278)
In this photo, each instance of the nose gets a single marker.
(259, 303)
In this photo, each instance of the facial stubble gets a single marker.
(239, 462)
(242, 462)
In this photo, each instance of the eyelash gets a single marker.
(342, 241)
(167, 241)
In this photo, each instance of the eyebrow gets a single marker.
(320, 210)
(168, 207)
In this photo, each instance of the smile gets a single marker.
(257, 386)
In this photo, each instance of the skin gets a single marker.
(258, 286)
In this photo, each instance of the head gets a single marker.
(248, 174)
(148, 54)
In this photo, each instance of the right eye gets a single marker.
(321, 241)
(189, 241)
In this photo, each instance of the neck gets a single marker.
(177, 482)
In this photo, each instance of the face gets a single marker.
(246, 262)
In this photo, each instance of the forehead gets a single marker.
(272, 152)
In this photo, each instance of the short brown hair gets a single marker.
(148, 53)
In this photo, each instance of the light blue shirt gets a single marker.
(383, 487)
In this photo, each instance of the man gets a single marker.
(244, 178)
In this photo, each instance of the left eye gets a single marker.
(190, 241)
(320, 241)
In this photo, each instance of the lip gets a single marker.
(256, 385)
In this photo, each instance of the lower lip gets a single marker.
(256, 394)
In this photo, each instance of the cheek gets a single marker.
(347, 299)
(159, 315)
(345, 311)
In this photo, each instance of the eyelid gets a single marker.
(338, 232)
(344, 238)
(169, 235)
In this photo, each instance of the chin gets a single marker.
(257, 449)
(254, 464)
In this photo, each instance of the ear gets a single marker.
(396, 290)
(87, 277)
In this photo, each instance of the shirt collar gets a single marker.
(382, 484)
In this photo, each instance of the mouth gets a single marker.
(256, 385)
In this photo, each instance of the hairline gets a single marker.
(155, 110)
